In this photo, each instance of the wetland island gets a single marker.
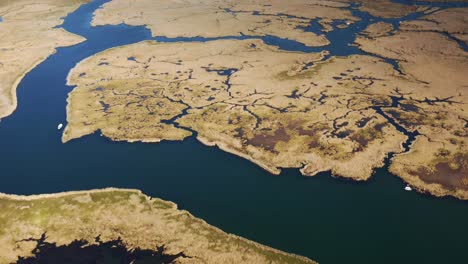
(403, 98)
(350, 89)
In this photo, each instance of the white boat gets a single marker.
(59, 126)
(407, 188)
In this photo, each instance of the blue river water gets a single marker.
(329, 220)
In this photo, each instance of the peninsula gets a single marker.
(137, 221)
(29, 33)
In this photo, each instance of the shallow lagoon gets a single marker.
(326, 219)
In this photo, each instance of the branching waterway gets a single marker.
(329, 220)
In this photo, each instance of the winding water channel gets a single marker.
(329, 220)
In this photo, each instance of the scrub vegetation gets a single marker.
(126, 222)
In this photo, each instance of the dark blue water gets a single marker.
(329, 220)
(441, 4)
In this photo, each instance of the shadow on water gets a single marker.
(330, 220)
(81, 251)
